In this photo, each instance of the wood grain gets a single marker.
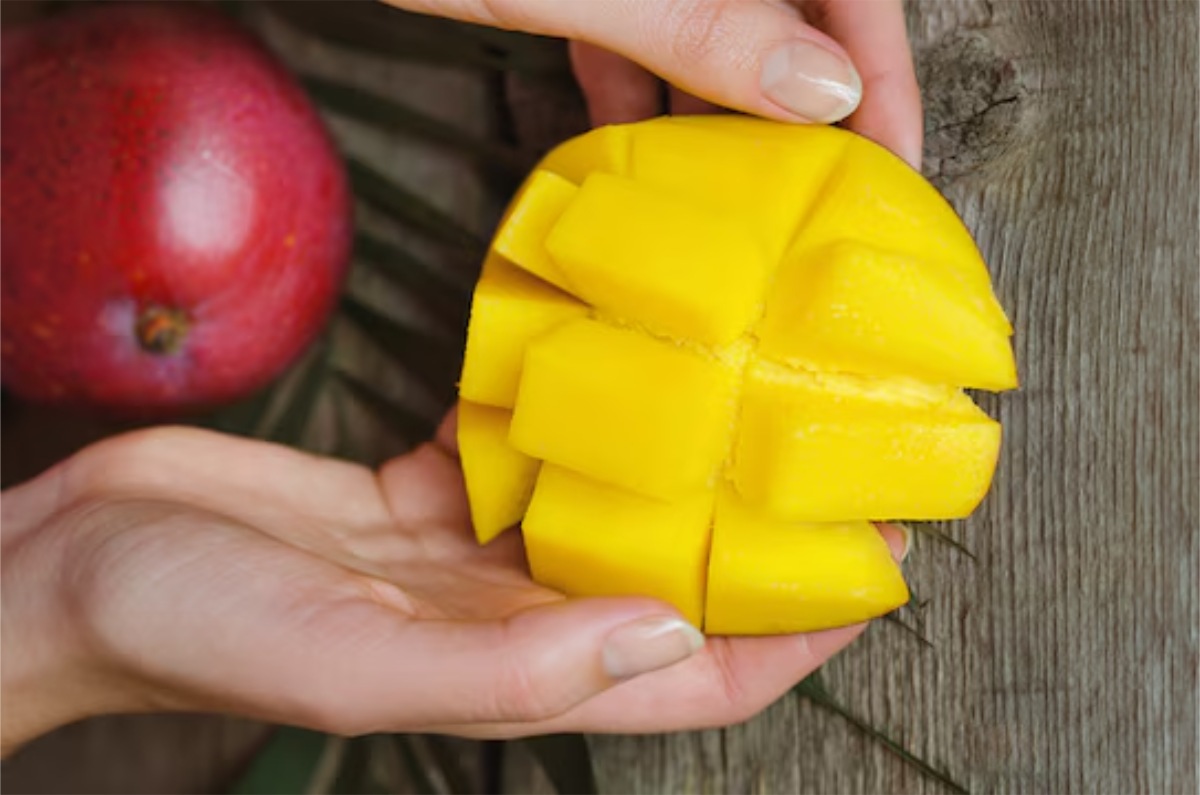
(1065, 660)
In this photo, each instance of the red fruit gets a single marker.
(176, 221)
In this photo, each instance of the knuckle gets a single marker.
(130, 458)
(503, 13)
(698, 29)
(518, 696)
(523, 691)
(735, 700)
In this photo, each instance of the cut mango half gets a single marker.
(707, 353)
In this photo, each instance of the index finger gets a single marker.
(873, 33)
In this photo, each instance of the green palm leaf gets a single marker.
(814, 689)
(566, 761)
(435, 362)
(440, 289)
(290, 426)
(403, 205)
(288, 763)
(390, 115)
(401, 35)
(405, 422)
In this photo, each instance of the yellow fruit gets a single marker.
(510, 309)
(674, 267)
(604, 150)
(767, 576)
(848, 307)
(530, 218)
(590, 539)
(764, 185)
(825, 448)
(774, 320)
(575, 408)
(498, 477)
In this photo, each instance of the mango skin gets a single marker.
(752, 342)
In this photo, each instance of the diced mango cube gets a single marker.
(660, 261)
(498, 478)
(901, 213)
(817, 447)
(765, 184)
(624, 408)
(856, 309)
(510, 309)
(521, 238)
(604, 149)
(588, 539)
(769, 576)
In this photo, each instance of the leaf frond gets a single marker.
(814, 689)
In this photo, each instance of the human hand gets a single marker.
(178, 569)
(791, 60)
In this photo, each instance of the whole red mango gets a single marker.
(176, 222)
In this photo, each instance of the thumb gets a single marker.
(757, 56)
(530, 667)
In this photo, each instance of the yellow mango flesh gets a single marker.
(672, 266)
(575, 409)
(511, 308)
(530, 218)
(762, 184)
(499, 479)
(824, 448)
(874, 199)
(768, 576)
(590, 539)
(850, 308)
(604, 150)
(781, 315)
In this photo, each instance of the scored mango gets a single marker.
(707, 353)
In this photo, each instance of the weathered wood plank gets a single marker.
(1066, 658)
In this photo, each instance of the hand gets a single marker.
(791, 60)
(178, 569)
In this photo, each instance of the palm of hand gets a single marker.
(236, 576)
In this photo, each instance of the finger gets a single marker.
(684, 104)
(756, 56)
(872, 31)
(527, 669)
(731, 680)
(264, 484)
(447, 432)
(616, 89)
(426, 498)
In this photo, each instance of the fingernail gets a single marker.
(907, 532)
(649, 644)
(811, 81)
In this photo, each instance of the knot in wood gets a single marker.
(974, 98)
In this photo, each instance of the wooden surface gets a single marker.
(1065, 659)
